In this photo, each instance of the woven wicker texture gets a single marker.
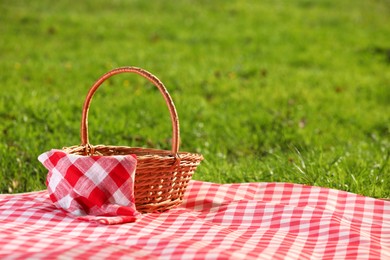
(162, 176)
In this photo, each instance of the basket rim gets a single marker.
(89, 150)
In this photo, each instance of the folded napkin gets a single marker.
(92, 188)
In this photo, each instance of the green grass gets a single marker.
(286, 91)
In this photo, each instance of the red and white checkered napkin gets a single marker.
(92, 188)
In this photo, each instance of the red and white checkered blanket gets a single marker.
(238, 221)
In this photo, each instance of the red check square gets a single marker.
(93, 188)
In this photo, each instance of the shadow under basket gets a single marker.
(161, 176)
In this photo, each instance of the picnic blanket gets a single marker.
(230, 221)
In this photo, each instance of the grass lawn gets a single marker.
(274, 91)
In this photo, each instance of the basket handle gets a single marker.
(153, 79)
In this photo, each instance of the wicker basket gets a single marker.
(162, 176)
